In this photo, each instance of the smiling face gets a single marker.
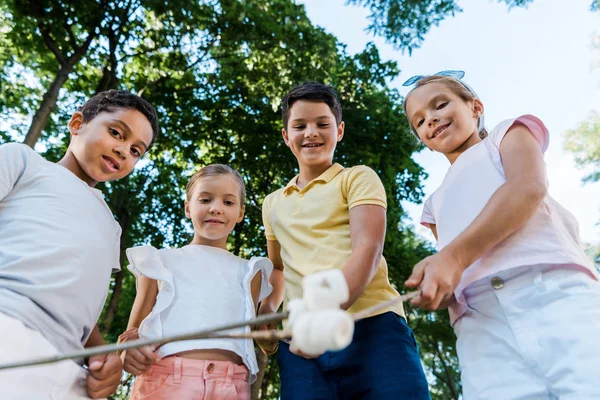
(108, 146)
(312, 134)
(442, 120)
(214, 205)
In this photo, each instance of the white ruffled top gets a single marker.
(200, 287)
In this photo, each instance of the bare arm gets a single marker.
(145, 298)
(508, 210)
(137, 361)
(433, 228)
(255, 288)
(274, 300)
(367, 233)
(513, 204)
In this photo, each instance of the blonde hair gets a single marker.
(216, 170)
(455, 86)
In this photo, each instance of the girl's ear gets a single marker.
(477, 108)
(241, 216)
(187, 210)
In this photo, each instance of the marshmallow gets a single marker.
(315, 332)
(325, 289)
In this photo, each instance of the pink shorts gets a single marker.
(182, 378)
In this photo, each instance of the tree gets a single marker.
(405, 23)
(584, 143)
(216, 72)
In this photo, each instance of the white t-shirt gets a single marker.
(549, 237)
(200, 287)
(59, 243)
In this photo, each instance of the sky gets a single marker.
(536, 60)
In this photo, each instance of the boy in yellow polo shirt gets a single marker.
(328, 217)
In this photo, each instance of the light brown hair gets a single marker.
(215, 170)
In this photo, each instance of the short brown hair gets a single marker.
(311, 91)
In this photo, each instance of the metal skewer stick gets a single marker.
(111, 348)
(204, 334)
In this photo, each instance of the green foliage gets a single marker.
(405, 23)
(584, 143)
(216, 72)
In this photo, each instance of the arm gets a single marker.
(509, 209)
(367, 233)
(271, 303)
(274, 300)
(433, 228)
(255, 288)
(138, 361)
(13, 162)
(145, 298)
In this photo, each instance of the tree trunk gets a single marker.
(48, 102)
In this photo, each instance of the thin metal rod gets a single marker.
(369, 311)
(204, 334)
(111, 348)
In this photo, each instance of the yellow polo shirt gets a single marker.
(312, 226)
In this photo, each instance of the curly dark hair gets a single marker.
(113, 100)
(312, 91)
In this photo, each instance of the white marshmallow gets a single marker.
(325, 289)
(315, 332)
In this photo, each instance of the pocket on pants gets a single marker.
(148, 384)
(570, 282)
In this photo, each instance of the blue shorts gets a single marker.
(382, 362)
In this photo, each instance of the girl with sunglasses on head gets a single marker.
(524, 299)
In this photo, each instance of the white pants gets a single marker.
(531, 333)
(64, 380)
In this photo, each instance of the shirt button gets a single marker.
(497, 283)
(210, 368)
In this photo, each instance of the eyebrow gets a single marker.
(209, 193)
(319, 117)
(431, 102)
(127, 130)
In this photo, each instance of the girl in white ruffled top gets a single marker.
(196, 287)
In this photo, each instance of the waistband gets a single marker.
(514, 278)
(207, 369)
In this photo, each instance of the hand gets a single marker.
(437, 277)
(297, 352)
(137, 361)
(104, 375)
(267, 346)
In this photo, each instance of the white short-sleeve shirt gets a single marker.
(200, 287)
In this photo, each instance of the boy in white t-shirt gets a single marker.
(59, 243)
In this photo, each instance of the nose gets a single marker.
(311, 131)
(215, 208)
(120, 151)
(433, 120)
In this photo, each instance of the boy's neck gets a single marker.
(309, 173)
(69, 162)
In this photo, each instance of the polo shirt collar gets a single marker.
(326, 177)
